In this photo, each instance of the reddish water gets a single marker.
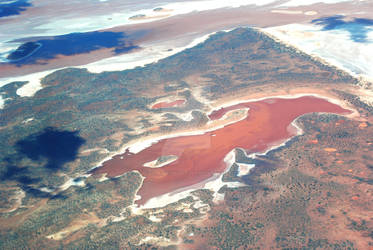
(168, 104)
(200, 156)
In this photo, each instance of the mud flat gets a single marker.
(201, 156)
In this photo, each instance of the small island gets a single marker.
(23, 51)
(137, 17)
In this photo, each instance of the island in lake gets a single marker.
(240, 141)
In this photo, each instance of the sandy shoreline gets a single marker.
(214, 183)
(137, 145)
(140, 144)
(351, 57)
(185, 25)
(123, 62)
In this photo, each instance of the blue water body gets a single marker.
(11, 8)
(358, 27)
(71, 44)
(23, 51)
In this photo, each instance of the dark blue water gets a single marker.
(71, 44)
(13, 8)
(358, 27)
(23, 51)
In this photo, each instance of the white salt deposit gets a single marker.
(294, 3)
(333, 46)
(31, 87)
(2, 102)
(150, 53)
(244, 169)
(214, 184)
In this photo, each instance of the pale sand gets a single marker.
(87, 151)
(76, 225)
(123, 62)
(294, 3)
(151, 53)
(70, 182)
(333, 47)
(162, 10)
(198, 6)
(187, 117)
(2, 102)
(295, 12)
(244, 169)
(28, 120)
(103, 178)
(49, 24)
(83, 22)
(167, 99)
(141, 144)
(30, 88)
(17, 197)
(160, 241)
(311, 13)
(290, 12)
(154, 218)
(145, 17)
(176, 27)
(301, 93)
(214, 184)
(66, 185)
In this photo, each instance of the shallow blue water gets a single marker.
(72, 44)
(11, 8)
(358, 27)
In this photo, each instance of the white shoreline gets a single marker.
(295, 3)
(343, 53)
(174, 196)
(214, 183)
(122, 17)
(141, 144)
(244, 169)
(33, 84)
(2, 102)
(152, 54)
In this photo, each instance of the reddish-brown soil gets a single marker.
(200, 156)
